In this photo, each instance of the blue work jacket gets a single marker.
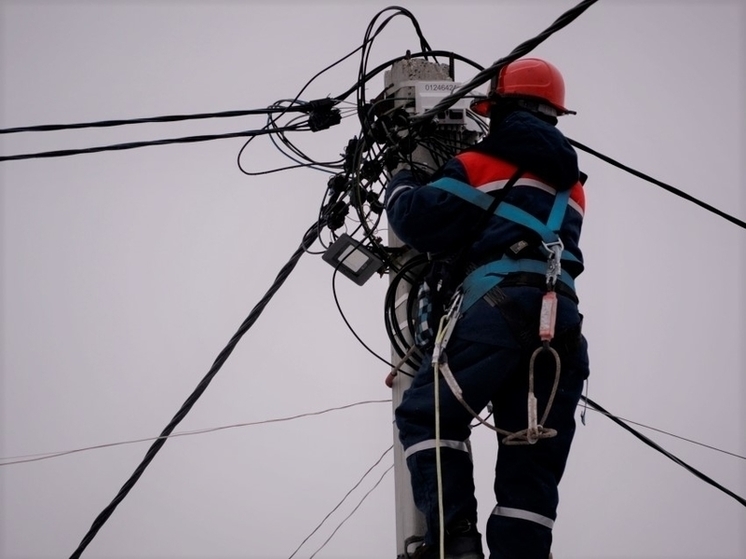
(432, 220)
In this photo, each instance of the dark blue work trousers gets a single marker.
(490, 364)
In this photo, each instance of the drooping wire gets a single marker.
(274, 131)
(341, 502)
(8, 461)
(292, 152)
(347, 322)
(370, 35)
(282, 143)
(363, 160)
(656, 182)
(664, 452)
(353, 511)
(362, 47)
(400, 335)
(308, 239)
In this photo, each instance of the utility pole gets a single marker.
(416, 85)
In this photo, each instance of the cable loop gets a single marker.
(536, 429)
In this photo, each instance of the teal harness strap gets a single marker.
(557, 215)
(547, 231)
(522, 217)
(480, 281)
(464, 191)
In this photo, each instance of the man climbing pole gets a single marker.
(501, 222)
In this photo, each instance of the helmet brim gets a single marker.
(482, 106)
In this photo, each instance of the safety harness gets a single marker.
(490, 275)
(486, 277)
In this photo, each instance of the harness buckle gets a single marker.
(446, 326)
(554, 262)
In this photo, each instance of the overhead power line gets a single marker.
(362, 500)
(663, 185)
(674, 435)
(341, 502)
(151, 119)
(147, 143)
(521, 50)
(8, 461)
(38, 457)
(664, 452)
(308, 239)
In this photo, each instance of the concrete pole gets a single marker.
(409, 521)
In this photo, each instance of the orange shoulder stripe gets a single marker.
(482, 169)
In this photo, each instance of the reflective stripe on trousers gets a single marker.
(432, 443)
(523, 515)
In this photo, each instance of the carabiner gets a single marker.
(446, 326)
(554, 262)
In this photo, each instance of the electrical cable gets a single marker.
(308, 239)
(656, 182)
(148, 143)
(362, 500)
(315, 76)
(413, 273)
(663, 451)
(10, 460)
(347, 323)
(181, 117)
(524, 48)
(368, 42)
(341, 502)
(297, 156)
(27, 458)
(143, 120)
(674, 435)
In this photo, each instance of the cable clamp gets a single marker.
(322, 114)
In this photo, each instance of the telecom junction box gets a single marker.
(427, 94)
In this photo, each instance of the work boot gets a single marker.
(462, 541)
(459, 547)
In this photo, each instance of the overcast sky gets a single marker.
(125, 273)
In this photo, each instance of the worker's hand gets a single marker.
(419, 162)
(401, 166)
(422, 160)
(394, 161)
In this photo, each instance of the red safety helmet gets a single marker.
(528, 78)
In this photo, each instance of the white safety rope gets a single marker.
(535, 430)
(445, 329)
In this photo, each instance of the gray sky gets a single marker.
(124, 274)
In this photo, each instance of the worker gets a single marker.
(509, 271)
